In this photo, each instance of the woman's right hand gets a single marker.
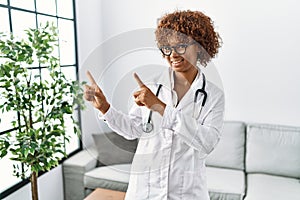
(94, 94)
(145, 97)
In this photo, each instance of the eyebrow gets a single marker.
(174, 45)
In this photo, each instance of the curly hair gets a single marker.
(190, 25)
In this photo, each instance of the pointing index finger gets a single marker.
(138, 80)
(90, 77)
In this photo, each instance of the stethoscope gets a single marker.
(148, 126)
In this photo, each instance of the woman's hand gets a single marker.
(145, 97)
(94, 94)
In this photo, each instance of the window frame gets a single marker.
(9, 8)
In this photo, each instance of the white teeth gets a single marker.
(177, 61)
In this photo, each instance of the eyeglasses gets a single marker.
(179, 49)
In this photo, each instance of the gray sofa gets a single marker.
(251, 162)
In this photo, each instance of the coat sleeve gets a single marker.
(203, 133)
(127, 125)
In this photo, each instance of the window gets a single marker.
(17, 15)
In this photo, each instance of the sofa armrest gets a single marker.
(74, 169)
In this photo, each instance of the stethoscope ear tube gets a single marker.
(204, 96)
(204, 93)
(202, 90)
(195, 114)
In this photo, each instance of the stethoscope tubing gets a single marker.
(157, 93)
(148, 127)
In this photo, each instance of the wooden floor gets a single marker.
(104, 194)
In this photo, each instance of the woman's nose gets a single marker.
(174, 53)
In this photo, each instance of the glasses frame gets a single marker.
(175, 48)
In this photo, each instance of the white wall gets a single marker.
(89, 30)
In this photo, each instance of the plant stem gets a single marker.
(30, 108)
(34, 186)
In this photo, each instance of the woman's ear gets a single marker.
(198, 47)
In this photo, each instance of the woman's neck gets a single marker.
(183, 82)
(185, 78)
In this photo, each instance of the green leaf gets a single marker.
(26, 151)
(3, 153)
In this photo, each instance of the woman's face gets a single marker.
(182, 62)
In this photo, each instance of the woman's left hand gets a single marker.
(145, 97)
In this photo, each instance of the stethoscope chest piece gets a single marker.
(147, 127)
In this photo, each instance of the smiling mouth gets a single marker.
(175, 62)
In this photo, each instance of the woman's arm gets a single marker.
(129, 126)
(201, 134)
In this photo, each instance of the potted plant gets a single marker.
(42, 106)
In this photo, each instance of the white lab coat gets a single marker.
(169, 163)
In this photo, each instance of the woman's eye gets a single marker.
(181, 46)
(167, 49)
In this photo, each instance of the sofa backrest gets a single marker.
(273, 149)
(230, 151)
(114, 149)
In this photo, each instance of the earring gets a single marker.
(198, 63)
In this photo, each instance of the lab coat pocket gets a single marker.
(190, 183)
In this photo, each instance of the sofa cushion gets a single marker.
(225, 184)
(273, 149)
(114, 177)
(230, 151)
(114, 149)
(261, 186)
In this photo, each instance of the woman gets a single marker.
(176, 131)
